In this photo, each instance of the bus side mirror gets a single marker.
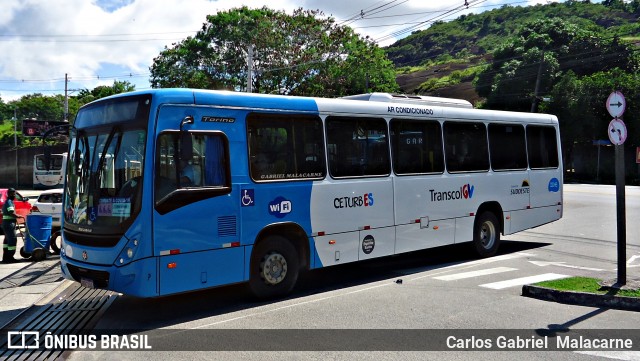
(186, 143)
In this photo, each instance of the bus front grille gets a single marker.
(100, 278)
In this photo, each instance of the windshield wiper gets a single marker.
(96, 176)
(105, 150)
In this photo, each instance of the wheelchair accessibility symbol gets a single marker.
(247, 198)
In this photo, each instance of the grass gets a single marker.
(586, 284)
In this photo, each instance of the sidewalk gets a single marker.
(24, 284)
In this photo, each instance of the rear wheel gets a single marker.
(274, 268)
(486, 235)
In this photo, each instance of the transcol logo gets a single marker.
(465, 192)
(280, 207)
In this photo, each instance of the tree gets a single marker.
(579, 104)
(551, 46)
(6, 112)
(87, 96)
(300, 54)
(40, 107)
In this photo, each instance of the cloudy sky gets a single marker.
(98, 41)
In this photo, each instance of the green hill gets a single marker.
(439, 59)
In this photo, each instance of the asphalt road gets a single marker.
(445, 291)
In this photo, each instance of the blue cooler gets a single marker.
(38, 232)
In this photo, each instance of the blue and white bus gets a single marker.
(53, 177)
(277, 185)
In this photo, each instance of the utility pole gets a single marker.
(534, 103)
(66, 97)
(249, 69)
(15, 140)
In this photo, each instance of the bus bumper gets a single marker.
(137, 278)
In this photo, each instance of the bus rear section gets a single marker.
(53, 177)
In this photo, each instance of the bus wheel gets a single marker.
(486, 234)
(274, 268)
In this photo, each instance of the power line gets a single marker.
(455, 10)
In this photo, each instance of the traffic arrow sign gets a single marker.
(617, 132)
(616, 104)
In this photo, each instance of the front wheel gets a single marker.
(274, 268)
(486, 235)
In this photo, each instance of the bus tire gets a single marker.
(274, 268)
(486, 235)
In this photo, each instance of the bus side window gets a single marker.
(466, 148)
(204, 165)
(285, 146)
(507, 147)
(358, 147)
(416, 146)
(542, 147)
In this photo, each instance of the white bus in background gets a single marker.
(54, 176)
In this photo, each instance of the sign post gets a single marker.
(617, 132)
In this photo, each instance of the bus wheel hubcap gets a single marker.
(274, 268)
(487, 235)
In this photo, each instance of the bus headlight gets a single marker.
(68, 251)
(128, 252)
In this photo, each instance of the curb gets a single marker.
(582, 299)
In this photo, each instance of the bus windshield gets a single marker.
(104, 176)
(56, 162)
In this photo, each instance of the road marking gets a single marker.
(483, 272)
(464, 265)
(633, 258)
(523, 281)
(562, 264)
(502, 258)
(263, 310)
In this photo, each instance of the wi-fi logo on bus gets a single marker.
(280, 207)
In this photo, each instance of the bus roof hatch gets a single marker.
(415, 99)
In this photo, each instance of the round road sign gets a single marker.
(616, 104)
(617, 132)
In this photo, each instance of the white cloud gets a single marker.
(41, 40)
